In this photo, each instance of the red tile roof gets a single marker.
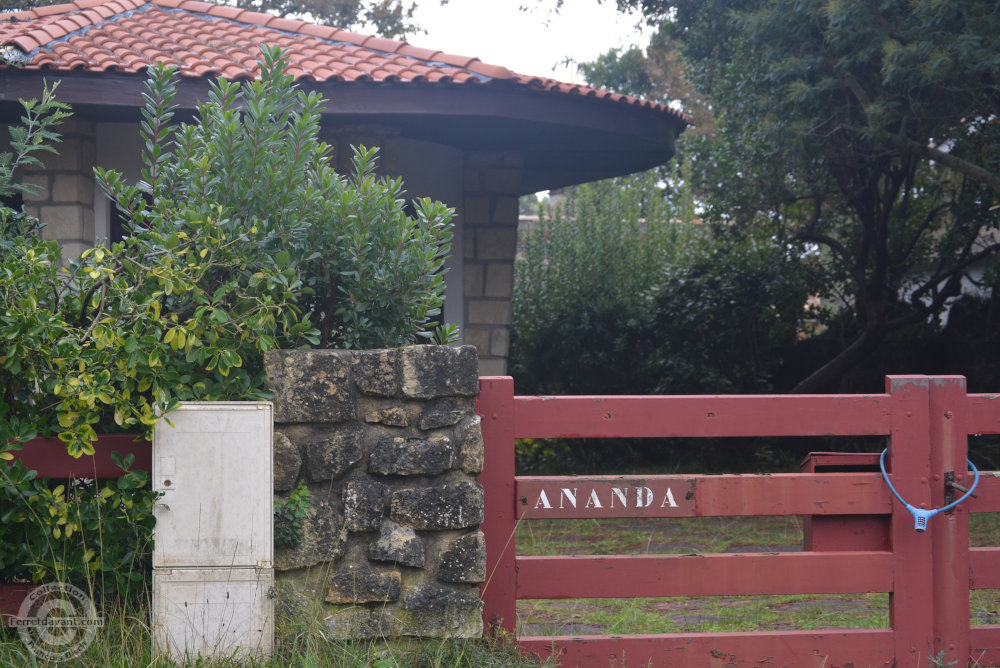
(203, 39)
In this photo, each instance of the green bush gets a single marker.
(240, 238)
(88, 532)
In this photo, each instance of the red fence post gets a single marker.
(495, 406)
(911, 604)
(949, 532)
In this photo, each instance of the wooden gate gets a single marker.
(926, 421)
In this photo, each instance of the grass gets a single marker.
(709, 613)
(126, 641)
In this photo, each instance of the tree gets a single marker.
(862, 133)
(387, 18)
(656, 73)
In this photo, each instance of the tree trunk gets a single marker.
(824, 376)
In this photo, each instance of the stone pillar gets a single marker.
(492, 183)
(389, 446)
(64, 202)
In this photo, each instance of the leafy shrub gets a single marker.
(83, 531)
(241, 238)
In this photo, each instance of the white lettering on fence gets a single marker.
(602, 497)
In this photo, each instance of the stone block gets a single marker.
(476, 210)
(506, 181)
(479, 338)
(69, 156)
(331, 457)
(444, 412)
(468, 244)
(310, 385)
(77, 188)
(500, 342)
(506, 210)
(71, 250)
(436, 371)
(493, 366)
(323, 536)
(469, 444)
(464, 560)
(499, 280)
(496, 243)
(88, 224)
(472, 280)
(361, 584)
(364, 505)
(410, 456)
(40, 187)
(287, 462)
(444, 506)
(376, 372)
(489, 311)
(398, 544)
(359, 624)
(393, 416)
(62, 221)
(432, 611)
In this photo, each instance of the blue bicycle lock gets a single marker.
(921, 516)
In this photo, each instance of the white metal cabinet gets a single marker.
(222, 612)
(213, 551)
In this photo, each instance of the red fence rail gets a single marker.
(926, 421)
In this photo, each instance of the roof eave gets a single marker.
(566, 138)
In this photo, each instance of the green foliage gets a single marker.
(220, 264)
(581, 283)
(35, 135)
(288, 517)
(866, 130)
(614, 295)
(380, 278)
(88, 532)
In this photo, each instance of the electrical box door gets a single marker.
(212, 461)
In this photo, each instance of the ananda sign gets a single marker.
(591, 498)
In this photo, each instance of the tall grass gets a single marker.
(126, 641)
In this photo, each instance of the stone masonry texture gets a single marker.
(389, 445)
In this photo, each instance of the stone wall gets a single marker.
(389, 446)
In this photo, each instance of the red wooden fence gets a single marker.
(926, 421)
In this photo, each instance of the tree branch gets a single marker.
(972, 170)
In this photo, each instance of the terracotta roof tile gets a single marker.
(204, 39)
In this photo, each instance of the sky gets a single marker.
(530, 42)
